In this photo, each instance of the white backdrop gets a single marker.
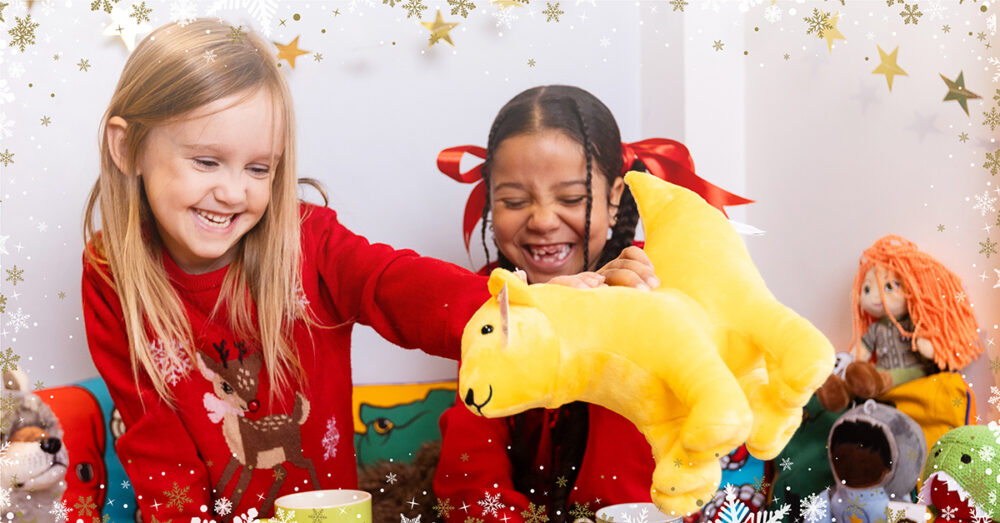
(833, 159)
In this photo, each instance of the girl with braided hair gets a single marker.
(910, 320)
(553, 194)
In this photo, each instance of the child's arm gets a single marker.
(408, 299)
(474, 459)
(169, 478)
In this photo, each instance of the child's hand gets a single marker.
(583, 280)
(632, 268)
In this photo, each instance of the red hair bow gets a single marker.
(667, 159)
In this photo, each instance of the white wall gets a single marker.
(830, 171)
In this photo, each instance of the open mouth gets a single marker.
(860, 454)
(214, 220)
(942, 491)
(549, 254)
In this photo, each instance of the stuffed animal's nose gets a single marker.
(51, 445)
(469, 398)
(253, 405)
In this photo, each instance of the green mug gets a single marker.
(328, 506)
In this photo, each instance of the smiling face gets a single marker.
(892, 288)
(208, 176)
(539, 201)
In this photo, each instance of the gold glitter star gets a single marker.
(62, 295)
(561, 481)
(464, 457)
(440, 29)
(84, 65)
(787, 56)
(718, 45)
(336, 12)
(831, 33)
(958, 92)
(318, 57)
(945, 28)
(282, 22)
(531, 62)
(940, 227)
(46, 121)
(964, 137)
(888, 66)
(290, 51)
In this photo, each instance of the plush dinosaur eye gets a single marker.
(383, 425)
(487, 329)
(966, 459)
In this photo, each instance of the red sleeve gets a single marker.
(159, 456)
(474, 464)
(410, 300)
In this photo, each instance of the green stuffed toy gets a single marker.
(962, 475)
(705, 363)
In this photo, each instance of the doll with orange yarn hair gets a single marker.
(910, 320)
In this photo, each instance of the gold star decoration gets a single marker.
(440, 29)
(3, 5)
(464, 457)
(236, 34)
(46, 121)
(122, 27)
(958, 92)
(336, 12)
(318, 57)
(504, 4)
(62, 295)
(888, 66)
(290, 51)
(963, 137)
(940, 227)
(561, 481)
(718, 45)
(84, 65)
(531, 62)
(831, 33)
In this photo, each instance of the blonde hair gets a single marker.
(173, 71)
(934, 297)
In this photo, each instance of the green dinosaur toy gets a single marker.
(962, 475)
(397, 432)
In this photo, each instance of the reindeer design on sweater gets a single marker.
(265, 443)
(709, 360)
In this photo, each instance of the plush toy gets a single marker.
(962, 475)
(876, 453)
(911, 319)
(706, 362)
(31, 450)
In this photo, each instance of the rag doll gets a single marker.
(911, 319)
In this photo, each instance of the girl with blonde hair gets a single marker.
(218, 306)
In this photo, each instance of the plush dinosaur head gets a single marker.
(962, 475)
(507, 345)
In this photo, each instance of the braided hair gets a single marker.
(588, 122)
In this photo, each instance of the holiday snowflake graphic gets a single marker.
(330, 440)
(223, 506)
(491, 504)
(813, 508)
(994, 397)
(18, 320)
(59, 511)
(5, 497)
(995, 62)
(262, 11)
(984, 203)
(948, 513)
(172, 369)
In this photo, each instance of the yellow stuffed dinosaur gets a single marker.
(708, 361)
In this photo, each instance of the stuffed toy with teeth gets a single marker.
(33, 456)
(708, 361)
(962, 475)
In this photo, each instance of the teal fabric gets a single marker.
(120, 502)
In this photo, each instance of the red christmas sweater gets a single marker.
(192, 460)
(476, 471)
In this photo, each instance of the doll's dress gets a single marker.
(894, 353)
